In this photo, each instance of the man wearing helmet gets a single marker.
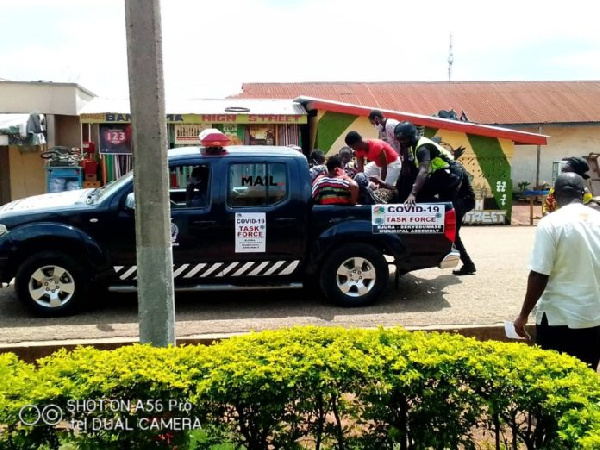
(439, 176)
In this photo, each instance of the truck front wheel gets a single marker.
(51, 284)
(354, 275)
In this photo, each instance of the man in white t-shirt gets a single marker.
(385, 127)
(408, 172)
(565, 276)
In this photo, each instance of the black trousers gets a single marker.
(582, 343)
(461, 209)
(452, 187)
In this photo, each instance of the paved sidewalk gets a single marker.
(425, 298)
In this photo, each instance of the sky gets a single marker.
(211, 47)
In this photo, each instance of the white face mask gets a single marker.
(379, 128)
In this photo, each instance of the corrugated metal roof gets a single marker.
(490, 102)
(202, 106)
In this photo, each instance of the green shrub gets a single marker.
(310, 387)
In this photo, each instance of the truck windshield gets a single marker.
(107, 191)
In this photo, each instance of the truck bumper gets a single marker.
(451, 260)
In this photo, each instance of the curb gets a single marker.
(32, 351)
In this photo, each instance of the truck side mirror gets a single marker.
(130, 201)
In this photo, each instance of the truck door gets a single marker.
(266, 222)
(196, 232)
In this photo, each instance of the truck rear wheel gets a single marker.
(51, 284)
(354, 275)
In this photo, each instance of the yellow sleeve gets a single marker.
(549, 204)
(587, 197)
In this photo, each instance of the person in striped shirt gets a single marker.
(334, 188)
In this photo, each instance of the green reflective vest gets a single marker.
(442, 161)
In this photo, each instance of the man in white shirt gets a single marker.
(385, 128)
(565, 276)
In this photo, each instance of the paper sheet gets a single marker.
(511, 333)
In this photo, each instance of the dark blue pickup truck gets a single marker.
(240, 219)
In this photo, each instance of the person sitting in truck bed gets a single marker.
(345, 155)
(317, 164)
(334, 188)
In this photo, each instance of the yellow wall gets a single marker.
(469, 160)
(27, 174)
(362, 126)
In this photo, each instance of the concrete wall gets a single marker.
(4, 175)
(45, 98)
(565, 140)
(27, 174)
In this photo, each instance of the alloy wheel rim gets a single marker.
(355, 277)
(51, 286)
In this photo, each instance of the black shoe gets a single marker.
(465, 270)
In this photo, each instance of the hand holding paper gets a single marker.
(511, 332)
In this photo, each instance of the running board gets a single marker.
(211, 287)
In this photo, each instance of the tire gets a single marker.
(45, 295)
(354, 275)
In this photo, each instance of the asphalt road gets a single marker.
(427, 297)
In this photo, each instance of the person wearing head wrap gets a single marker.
(345, 154)
(317, 164)
(573, 164)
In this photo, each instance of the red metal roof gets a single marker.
(489, 102)
(518, 137)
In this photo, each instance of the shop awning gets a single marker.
(518, 137)
(234, 111)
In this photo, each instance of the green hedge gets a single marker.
(309, 387)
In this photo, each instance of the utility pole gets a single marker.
(156, 298)
(450, 60)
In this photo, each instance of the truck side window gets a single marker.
(189, 186)
(257, 184)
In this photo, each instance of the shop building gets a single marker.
(35, 116)
(106, 123)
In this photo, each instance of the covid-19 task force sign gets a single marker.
(421, 218)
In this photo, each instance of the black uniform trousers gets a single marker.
(582, 343)
(452, 185)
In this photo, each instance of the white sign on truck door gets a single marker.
(250, 232)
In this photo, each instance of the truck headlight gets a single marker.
(3, 230)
